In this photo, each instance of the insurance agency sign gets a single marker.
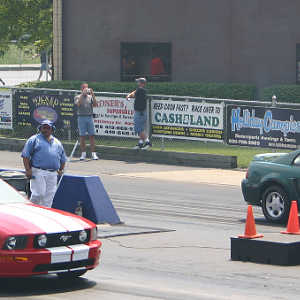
(6, 110)
(114, 117)
(187, 120)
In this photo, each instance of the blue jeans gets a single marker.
(139, 120)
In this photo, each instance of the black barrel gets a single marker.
(16, 179)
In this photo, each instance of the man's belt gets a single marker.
(50, 170)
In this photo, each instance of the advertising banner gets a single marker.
(263, 127)
(114, 117)
(187, 120)
(6, 121)
(31, 109)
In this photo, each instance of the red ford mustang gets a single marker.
(37, 240)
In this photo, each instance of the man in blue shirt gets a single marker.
(44, 157)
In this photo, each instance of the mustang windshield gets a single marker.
(9, 195)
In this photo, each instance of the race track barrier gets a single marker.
(89, 190)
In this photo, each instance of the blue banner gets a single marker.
(264, 127)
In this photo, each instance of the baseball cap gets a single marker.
(47, 122)
(142, 80)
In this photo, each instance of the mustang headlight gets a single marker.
(42, 240)
(83, 236)
(15, 243)
(11, 243)
(94, 233)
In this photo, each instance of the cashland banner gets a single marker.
(6, 110)
(32, 109)
(263, 127)
(114, 117)
(187, 120)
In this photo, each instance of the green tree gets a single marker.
(26, 22)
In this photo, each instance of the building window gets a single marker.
(150, 60)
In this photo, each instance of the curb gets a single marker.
(19, 68)
(150, 156)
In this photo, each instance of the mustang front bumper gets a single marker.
(24, 263)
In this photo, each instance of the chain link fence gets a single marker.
(244, 153)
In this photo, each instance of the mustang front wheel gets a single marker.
(276, 204)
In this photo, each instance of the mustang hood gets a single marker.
(30, 219)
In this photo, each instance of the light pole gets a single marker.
(24, 37)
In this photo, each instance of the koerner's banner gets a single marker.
(187, 120)
(263, 127)
(114, 117)
(6, 110)
(32, 109)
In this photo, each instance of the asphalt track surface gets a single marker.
(191, 262)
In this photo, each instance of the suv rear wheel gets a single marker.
(276, 204)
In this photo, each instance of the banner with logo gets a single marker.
(6, 121)
(114, 117)
(263, 127)
(31, 109)
(187, 120)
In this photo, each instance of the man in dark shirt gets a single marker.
(44, 63)
(140, 114)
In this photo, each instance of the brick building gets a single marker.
(223, 41)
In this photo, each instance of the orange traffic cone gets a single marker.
(293, 223)
(250, 229)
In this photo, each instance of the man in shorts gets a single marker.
(85, 103)
(44, 63)
(140, 114)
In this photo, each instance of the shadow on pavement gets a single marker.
(41, 285)
(264, 222)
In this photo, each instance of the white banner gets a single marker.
(6, 121)
(187, 120)
(114, 117)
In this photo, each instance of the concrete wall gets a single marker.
(212, 40)
(127, 154)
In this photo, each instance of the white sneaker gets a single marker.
(147, 146)
(83, 156)
(138, 146)
(94, 156)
